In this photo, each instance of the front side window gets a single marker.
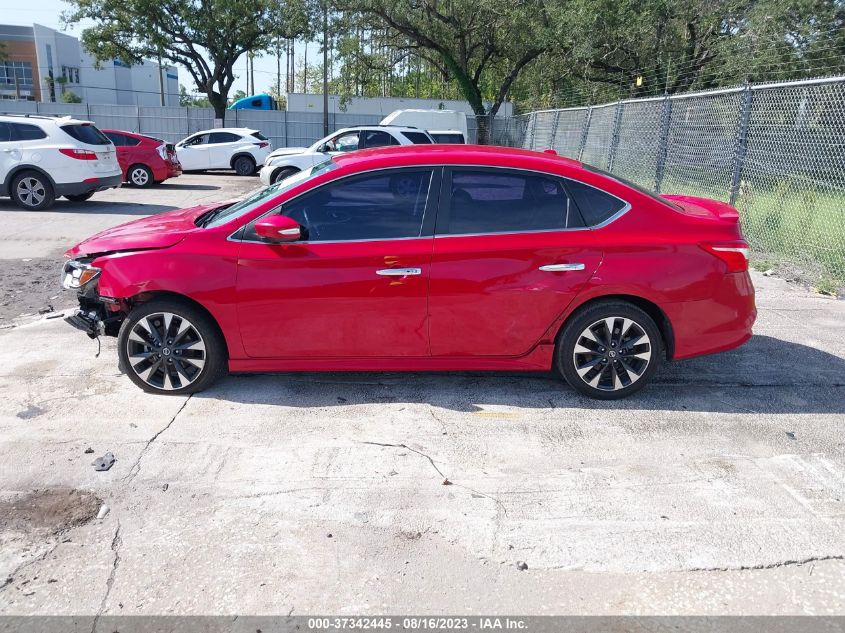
(380, 206)
(347, 142)
(199, 139)
(501, 201)
(5, 132)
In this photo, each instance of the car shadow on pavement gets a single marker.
(765, 376)
(167, 186)
(96, 207)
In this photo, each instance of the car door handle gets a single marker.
(399, 272)
(560, 268)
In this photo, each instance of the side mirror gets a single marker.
(278, 228)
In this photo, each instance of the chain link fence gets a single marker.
(775, 151)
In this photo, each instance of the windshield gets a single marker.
(241, 208)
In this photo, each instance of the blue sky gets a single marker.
(47, 12)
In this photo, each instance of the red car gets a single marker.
(144, 160)
(428, 257)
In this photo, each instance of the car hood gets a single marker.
(287, 151)
(157, 231)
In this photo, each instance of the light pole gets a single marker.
(325, 67)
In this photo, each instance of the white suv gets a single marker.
(43, 157)
(237, 148)
(289, 160)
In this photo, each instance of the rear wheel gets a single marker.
(139, 176)
(609, 350)
(80, 197)
(244, 166)
(283, 173)
(33, 191)
(169, 346)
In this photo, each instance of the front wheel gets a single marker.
(32, 191)
(169, 346)
(609, 350)
(283, 173)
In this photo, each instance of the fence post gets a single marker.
(663, 142)
(138, 115)
(614, 139)
(533, 128)
(741, 145)
(584, 132)
(554, 131)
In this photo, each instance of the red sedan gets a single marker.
(428, 257)
(144, 160)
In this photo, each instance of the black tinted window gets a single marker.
(376, 138)
(259, 136)
(504, 202)
(595, 205)
(114, 137)
(25, 132)
(417, 138)
(447, 137)
(378, 206)
(222, 137)
(87, 134)
(5, 132)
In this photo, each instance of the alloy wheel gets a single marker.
(612, 353)
(31, 191)
(166, 351)
(139, 177)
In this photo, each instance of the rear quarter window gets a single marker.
(596, 206)
(417, 138)
(88, 134)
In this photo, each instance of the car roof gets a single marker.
(446, 154)
(241, 130)
(36, 118)
(376, 126)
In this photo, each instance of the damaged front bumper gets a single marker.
(97, 315)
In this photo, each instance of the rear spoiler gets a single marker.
(704, 207)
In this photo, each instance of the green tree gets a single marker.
(481, 45)
(69, 96)
(187, 100)
(206, 37)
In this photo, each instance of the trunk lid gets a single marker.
(704, 208)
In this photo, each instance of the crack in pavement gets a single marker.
(115, 547)
(784, 563)
(10, 579)
(446, 480)
(136, 467)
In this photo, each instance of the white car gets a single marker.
(445, 126)
(44, 157)
(238, 148)
(289, 160)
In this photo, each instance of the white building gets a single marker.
(38, 56)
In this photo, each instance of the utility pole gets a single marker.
(160, 78)
(325, 67)
(279, 67)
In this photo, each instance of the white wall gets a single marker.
(380, 105)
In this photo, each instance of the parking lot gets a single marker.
(719, 489)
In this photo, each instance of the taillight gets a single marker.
(79, 154)
(162, 151)
(262, 145)
(734, 254)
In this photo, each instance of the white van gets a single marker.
(445, 126)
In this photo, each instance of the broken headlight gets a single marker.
(77, 273)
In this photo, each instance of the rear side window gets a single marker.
(222, 137)
(417, 138)
(87, 134)
(376, 138)
(372, 207)
(122, 140)
(595, 205)
(448, 137)
(497, 201)
(259, 136)
(26, 132)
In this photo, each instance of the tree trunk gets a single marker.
(218, 102)
(482, 121)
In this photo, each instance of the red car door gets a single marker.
(510, 253)
(356, 285)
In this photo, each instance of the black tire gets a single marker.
(32, 190)
(615, 362)
(139, 175)
(244, 166)
(80, 197)
(173, 361)
(284, 172)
